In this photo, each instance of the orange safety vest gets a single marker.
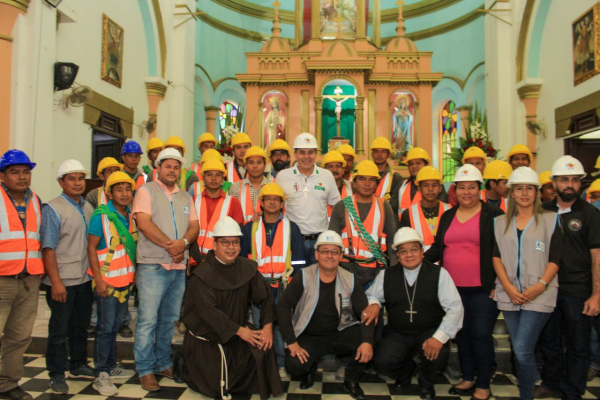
(346, 191)
(275, 260)
(232, 173)
(503, 203)
(404, 196)
(373, 225)
(205, 235)
(20, 247)
(196, 168)
(420, 224)
(246, 200)
(140, 181)
(197, 189)
(121, 270)
(384, 186)
(102, 200)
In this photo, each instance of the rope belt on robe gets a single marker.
(224, 371)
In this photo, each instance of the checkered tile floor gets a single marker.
(36, 382)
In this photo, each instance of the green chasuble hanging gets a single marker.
(329, 120)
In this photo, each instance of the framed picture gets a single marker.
(586, 45)
(112, 52)
(332, 11)
(403, 115)
(274, 117)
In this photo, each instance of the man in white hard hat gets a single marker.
(68, 286)
(167, 223)
(319, 313)
(578, 301)
(308, 190)
(419, 319)
(220, 345)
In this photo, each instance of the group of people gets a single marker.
(266, 266)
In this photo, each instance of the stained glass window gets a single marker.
(448, 131)
(228, 115)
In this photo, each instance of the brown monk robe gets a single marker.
(216, 305)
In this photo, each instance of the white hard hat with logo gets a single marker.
(170, 154)
(70, 167)
(305, 141)
(406, 235)
(468, 173)
(225, 227)
(523, 176)
(567, 165)
(329, 237)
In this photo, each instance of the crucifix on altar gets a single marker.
(338, 98)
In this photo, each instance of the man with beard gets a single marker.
(547, 191)
(578, 300)
(389, 182)
(279, 151)
(223, 354)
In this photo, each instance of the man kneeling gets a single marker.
(218, 346)
(326, 301)
(420, 318)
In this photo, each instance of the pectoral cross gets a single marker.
(305, 190)
(411, 312)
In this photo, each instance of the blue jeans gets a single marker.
(524, 328)
(568, 320)
(595, 344)
(160, 293)
(277, 337)
(111, 313)
(309, 252)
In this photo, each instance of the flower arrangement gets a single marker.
(231, 128)
(476, 136)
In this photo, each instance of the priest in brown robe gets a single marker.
(220, 345)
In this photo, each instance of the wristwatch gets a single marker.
(187, 244)
(543, 282)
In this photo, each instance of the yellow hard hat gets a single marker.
(108, 162)
(346, 149)
(365, 168)
(594, 187)
(211, 154)
(333, 156)
(545, 178)
(255, 151)
(240, 138)
(381, 143)
(279, 144)
(213, 164)
(175, 141)
(118, 177)
(519, 149)
(597, 166)
(473, 152)
(429, 173)
(497, 170)
(271, 189)
(154, 143)
(417, 153)
(207, 137)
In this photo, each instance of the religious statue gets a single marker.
(274, 122)
(338, 106)
(338, 99)
(403, 120)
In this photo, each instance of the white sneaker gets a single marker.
(283, 373)
(104, 386)
(120, 372)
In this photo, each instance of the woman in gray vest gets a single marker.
(526, 258)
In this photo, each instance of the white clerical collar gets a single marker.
(410, 272)
(221, 261)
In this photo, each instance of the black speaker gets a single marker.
(64, 75)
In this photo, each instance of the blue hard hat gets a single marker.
(131, 147)
(15, 157)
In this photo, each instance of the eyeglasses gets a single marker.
(334, 253)
(229, 243)
(414, 251)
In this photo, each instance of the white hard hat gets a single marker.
(71, 166)
(468, 173)
(567, 165)
(523, 175)
(329, 237)
(406, 235)
(305, 141)
(225, 227)
(170, 154)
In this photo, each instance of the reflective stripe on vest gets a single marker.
(20, 246)
(384, 186)
(197, 189)
(196, 168)
(420, 223)
(246, 200)
(205, 235)
(102, 200)
(272, 261)
(232, 174)
(404, 196)
(373, 225)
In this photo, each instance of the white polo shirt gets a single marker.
(307, 197)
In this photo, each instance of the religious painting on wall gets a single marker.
(334, 11)
(112, 52)
(586, 51)
(403, 109)
(274, 111)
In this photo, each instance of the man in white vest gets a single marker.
(167, 224)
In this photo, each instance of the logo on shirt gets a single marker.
(575, 225)
(540, 246)
(320, 186)
(186, 210)
(345, 302)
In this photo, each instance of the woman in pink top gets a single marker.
(464, 245)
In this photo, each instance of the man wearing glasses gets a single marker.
(419, 318)
(326, 302)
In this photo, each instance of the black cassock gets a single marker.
(215, 306)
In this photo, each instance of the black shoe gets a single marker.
(402, 383)
(462, 392)
(427, 394)
(354, 390)
(307, 381)
(16, 394)
(125, 331)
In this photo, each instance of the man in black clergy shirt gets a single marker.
(327, 302)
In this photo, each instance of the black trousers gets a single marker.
(393, 357)
(340, 343)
